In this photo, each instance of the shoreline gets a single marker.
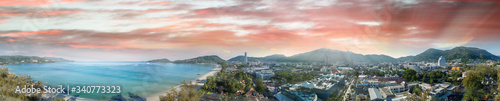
(200, 81)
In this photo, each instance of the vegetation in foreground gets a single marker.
(293, 77)
(8, 83)
(187, 92)
(232, 84)
(478, 85)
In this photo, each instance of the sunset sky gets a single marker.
(101, 30)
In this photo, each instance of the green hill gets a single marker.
(164, 60)
(380, 58)
(332, 56)
(255, 59)
(274, 57)
(241, 58)
(202, 59)
(456, 53)
(18, 59)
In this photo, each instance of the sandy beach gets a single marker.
(199, 81)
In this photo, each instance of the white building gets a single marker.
(397, 88)
(442, 61)
(246, 60)
(401, 88)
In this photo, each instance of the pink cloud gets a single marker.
(30, 33)
(32, 2)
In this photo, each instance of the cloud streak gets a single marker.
(140, 30)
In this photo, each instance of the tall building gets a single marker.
(246, 60)
(326, 59)
(442, 61)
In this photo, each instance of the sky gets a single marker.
(139, 30)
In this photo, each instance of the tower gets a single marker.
(442, 61)
(326, 59)
(246, 60)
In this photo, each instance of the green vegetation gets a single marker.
(454, 76)
(202, 59)
(375, 72)
(274, 57)
(416, 90)
(335, 96)
(242, 59)
(290, 77)
(260, 86)
(422, 96)
(475, 86)
(164, 60)
(393, 72)
(18, 59)
(465, 53)
(187, 92)
(410, 75)
(497, 98)
(433, 76)
(231, 83)
(9, 83)
(427, 77)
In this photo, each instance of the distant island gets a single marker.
(164, 60)
(201, 59)
(19, 59)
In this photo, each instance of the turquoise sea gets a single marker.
(140, 78)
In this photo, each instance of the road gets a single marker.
(348, 90)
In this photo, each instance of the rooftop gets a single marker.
(374, 94)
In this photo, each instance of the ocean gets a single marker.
(139, 78)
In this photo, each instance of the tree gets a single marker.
(408, 73)
(497, 98)
(9, 81)
(472, 84)
(410, 97)
(260, 86)
(3, 75)
(223, 65)
(187, 92)
(424, 95)
(335, 96)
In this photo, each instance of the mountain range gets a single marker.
(317, 56)
(322, 55)
(336, 56)
(16, 59)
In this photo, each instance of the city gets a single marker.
(249, 50)
(433, 79)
